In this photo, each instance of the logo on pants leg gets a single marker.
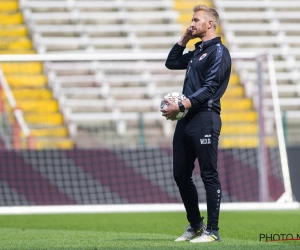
(206, 140)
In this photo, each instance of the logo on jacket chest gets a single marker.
(202, 56)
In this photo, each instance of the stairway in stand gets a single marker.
(29, 84)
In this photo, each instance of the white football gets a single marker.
(174, 97)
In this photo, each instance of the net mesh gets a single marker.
(97, 136)
(105, 176)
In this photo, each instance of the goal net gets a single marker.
(86, 129)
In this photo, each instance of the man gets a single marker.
(208, 69)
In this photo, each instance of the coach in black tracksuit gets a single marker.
(208, 69)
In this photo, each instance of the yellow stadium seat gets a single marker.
(31, 68)
(238, 142)
(236, 104)
(13, 31)
(41, 106)
(189, 4)
(22, 43)
(16, 52)
(11, 18)
(185, 17)
(234, 79)
(236, 91)
(59, 131)
(238, 129)
(16, 81)
(244, 142)
(237, 117)
(9, 6)
(29, 94)
(44, 119)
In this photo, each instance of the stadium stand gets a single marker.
(268, 26)
(14, 39)
(94, 29)
(99, 25)
(29, 86)
(96, 93)
(90, 92)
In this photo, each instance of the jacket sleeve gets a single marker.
(214, 77)
(176, 59)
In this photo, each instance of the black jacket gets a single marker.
(208, 71)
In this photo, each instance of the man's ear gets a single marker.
(211, 24)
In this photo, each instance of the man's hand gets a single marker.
(188, 35)
(171, 111)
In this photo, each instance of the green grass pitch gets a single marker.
(238, 230)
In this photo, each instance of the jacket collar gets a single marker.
(208, 43)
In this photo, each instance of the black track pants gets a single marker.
(197, 137)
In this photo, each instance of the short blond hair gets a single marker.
(210, 11)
